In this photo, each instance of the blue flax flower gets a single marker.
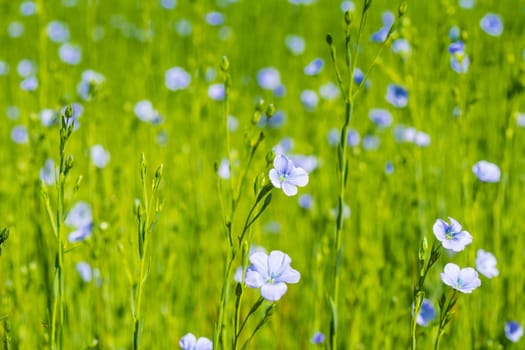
(286, 176)
(491, 24)
(486, 171)
(427, 313)
(318, 338)
(452, 236)
(464, 280)
(314, 67)
(81, 219)
(486, 264)
(397, 95)
(190, 342)
(270, 273)
(513, 331)
(380, 117)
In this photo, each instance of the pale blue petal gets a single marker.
(259, 261)
(289, 276)
(298, 177)
(274, 178)
(253, 279)
(187, 342)
(203, 344)
(273, 292)
(277, 263)
(289, 189)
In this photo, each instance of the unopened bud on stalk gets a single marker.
(402, 9)
(225, 64)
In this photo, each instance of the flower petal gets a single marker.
(439, 229)
(259, 262)
(280, 163)
(273, 292)
(289, 276)
(187, 342)
(274, 178)
(203, 344)
(278, 262)
(450, 274)
(254, 279)
(289, 189)
(456, 226)
(298, 177)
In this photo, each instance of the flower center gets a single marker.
(450, 234)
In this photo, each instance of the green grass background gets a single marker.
(389, 214)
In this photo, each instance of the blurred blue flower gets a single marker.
(29, 84)
(371, 142)
(452, 236)
(401, 47)
(144, 111)
(295, 44)
(286, 176)
(353, 138)
(70, 53)
(454, 33)
(176, 78)
(168, 4)
(308, 163)
(389, 168)
(190, 342)
(333, 136)
(48, 173)
(89, 84)
(359, 77)
(427, 313)
(491, 24)
(232, 123)
(57, 31)
(513, 331)
(382, 118)
(99, 156)
(318, 338)
(80, 218)
(19, 135)
(456, 47)
(422, 139)
(486, 171)
(397, 95)
(27, 8)
(329, 91)
(464, 280)
(214, 18)
(314, 67)
(276, 121)
(85, 271)
(216, 92)
(284, 146)
(224, 169)
(347, 5)
(486, 264)
(4, 68)
(404, 133)
(269, 78)
(12, 112)
(15, 29)
(270, 273)
(520, 120)
(306, 201)
(309, 99)
(467, 4)
(280, 91)
(459, 63)
(26, 68)
(380, 36)
(183, 27)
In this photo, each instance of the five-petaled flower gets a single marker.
(513, 331)
(452, 236)
(286, 176)
(270, 273)
(464, 280)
